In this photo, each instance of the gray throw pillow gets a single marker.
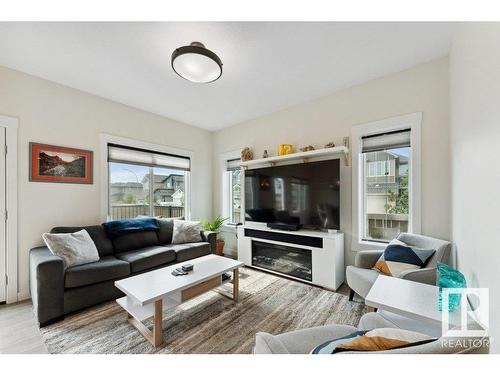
(74, 248)
(186, 231)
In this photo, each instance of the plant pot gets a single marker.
(220, 246)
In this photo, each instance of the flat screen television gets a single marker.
(306, 194)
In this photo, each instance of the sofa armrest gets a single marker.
(46, 285)
(367, 258)
(266, 343)
(211, 238)
(423, 275)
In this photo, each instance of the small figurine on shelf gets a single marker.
(330, 145)
(285, 149)
(246, 154)
(265, 154)
(307, 148)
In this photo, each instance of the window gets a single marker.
(385, 195)
(143, 182)
(378, 168)
(232, 191)
(386, 192)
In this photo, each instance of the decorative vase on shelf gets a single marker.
(285, 149)
(246, 154)
(448, 277)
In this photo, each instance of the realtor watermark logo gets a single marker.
(470, 315)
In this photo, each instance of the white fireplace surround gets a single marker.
(327, 260)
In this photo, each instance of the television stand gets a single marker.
(310, 256)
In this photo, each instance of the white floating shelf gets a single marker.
(304, 156)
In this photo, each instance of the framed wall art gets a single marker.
(60, 164)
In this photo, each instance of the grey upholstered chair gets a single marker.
(361, 276)
(305, 340)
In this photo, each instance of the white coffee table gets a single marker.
(397, 299)
(149, 294)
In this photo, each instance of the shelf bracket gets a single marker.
(346, 158)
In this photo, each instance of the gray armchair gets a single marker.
(303, 341)
(361, 276)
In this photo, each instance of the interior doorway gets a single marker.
(3, 217)
(8, 210)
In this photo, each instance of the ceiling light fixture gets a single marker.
(196, 63)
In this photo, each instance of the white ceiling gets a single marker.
(267, 66)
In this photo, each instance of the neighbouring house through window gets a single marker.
(386, 172)
(146, 183)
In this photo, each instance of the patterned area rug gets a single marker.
(209, 323)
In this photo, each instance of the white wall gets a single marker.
(475, 146)
(55, 114)
(424, 88)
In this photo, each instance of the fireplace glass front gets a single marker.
(288, 260)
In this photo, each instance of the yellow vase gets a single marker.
(285, 149)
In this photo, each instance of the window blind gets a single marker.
(131, 155)
(386, 141)
(233, 164)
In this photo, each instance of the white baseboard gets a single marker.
(22, 296)
(231, 252)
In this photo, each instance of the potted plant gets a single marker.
(216, 226)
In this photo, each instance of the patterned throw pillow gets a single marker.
(375, 340)
(186, 231)
(399, 257)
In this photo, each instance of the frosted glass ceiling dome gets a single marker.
(196, 63)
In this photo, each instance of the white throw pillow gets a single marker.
(74, 248)
(186, 231)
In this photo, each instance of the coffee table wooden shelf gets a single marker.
(150, 294)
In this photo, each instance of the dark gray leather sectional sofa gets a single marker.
(56, 292)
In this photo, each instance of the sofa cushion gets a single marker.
(74, 248)
(166, 231)
(187, 251)
(186, 231)
(148, 257)
(379, 339)
(135, 241)
(107, 268)
(96, 232)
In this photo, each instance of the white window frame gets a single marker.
(105, 139)
(226, 198)
(411, 121)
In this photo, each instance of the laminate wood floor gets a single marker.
(19, 333)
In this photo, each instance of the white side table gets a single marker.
(408, 304)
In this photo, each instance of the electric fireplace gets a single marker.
(284, 259)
